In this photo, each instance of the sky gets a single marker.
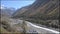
(16, 3)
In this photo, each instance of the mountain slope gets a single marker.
(6, 11)
(45, 12)
(40, 7)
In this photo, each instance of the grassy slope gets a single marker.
(5, 21)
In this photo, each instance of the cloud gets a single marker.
(2, 7)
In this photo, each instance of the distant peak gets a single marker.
(2, 7)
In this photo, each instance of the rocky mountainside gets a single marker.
(44, 9)
(41, 12)
(6, 21)
(45, 12)
(6, 11)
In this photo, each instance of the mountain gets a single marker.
(7, 23)
(45, 12)
(44, 9)
(6, 11)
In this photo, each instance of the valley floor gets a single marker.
(16, 25)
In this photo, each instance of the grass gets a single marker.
(5, 21)
(4, 31)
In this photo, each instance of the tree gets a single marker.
(24, 27)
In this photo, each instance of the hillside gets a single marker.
(45, 12)
(6, 21)
(4, 11)
(44, 9)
